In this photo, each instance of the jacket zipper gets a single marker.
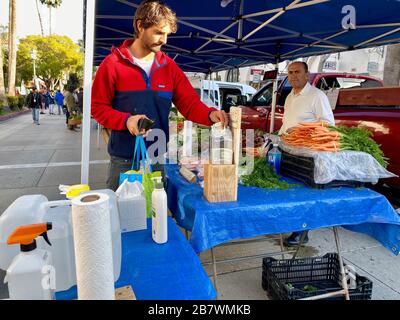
(147, 79)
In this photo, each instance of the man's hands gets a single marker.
(132, 122)
(220, 116)
(132, 125)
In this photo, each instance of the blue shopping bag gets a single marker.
(140, 153)
(145, 174)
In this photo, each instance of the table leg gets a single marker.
(343, 273)
(98, 135)
(215, 271)
(345, 289)
(281, 244)
(302, 237)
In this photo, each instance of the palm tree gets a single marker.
(2, 41)
(391, 73)
(40, 17)
(51, 4)
(12, 47)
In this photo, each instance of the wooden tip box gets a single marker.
(220, 182)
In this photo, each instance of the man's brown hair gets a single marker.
(152, 13)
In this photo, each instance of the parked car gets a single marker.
(222, 95)
(362, 100)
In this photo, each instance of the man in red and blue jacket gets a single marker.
(138, 80)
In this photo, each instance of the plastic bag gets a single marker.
(129, 189)
(141, 160)
(342, 165)
(131, 206)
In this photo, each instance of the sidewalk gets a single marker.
(37, 159)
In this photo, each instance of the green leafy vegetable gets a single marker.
(263, 176)
(310, 288)
(359, 139)
(289, 286)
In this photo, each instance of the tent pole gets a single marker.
(274, 98)
(89, 48)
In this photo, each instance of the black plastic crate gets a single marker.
(302, 169)
(286, 279)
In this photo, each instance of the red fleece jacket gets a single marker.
(118, 73)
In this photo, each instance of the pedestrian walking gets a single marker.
(70, 104)
(42, 103)
(34, 102)
(46, 96)
(79, 104)
(51, 102)
(59, 98)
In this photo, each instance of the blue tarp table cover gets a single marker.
(170, 271)
(271, 211)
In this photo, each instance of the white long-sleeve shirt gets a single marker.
(310, 105)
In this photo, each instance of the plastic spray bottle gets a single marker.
(30, 274)
(159, 212)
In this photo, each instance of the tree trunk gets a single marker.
(40, 17)
(2, 87)
(391, 72)
(50, 20)
(12, 47)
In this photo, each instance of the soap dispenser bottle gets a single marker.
(159, 212)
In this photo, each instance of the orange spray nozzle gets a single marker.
(26, 235)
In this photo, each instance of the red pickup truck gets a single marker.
(362, 100)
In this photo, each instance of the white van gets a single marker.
(223, 95)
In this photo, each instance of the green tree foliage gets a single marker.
(56, 56)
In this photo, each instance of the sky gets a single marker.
(66, 20)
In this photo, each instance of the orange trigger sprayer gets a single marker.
(26, 235)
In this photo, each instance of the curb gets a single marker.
(13, 115)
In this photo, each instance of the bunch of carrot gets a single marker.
(313, 135)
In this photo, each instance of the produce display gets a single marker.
(263, 176)
(321, 136)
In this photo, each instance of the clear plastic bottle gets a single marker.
(221, 145)
(274, 159)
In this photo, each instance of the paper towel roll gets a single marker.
(93, 248)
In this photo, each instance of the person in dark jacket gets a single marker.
(79, 104)
(70, 105)
(34, 102)
(137, 81)
(47, 99)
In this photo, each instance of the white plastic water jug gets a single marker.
(32, 209)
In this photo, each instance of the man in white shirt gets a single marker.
(305, 103)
